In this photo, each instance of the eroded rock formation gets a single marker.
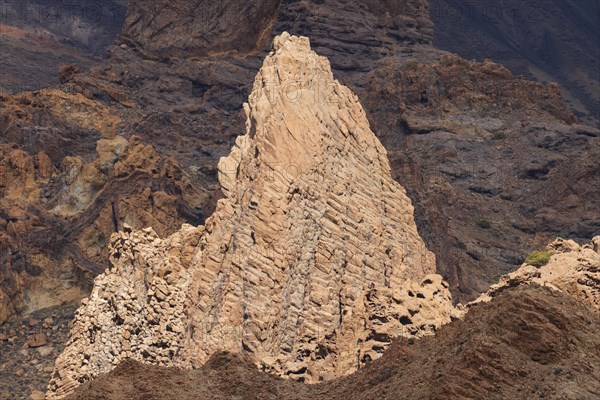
(311, 264)
(64, 190)
(529, 342)
(572, 268)
(499, 142)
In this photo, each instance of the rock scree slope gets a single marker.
(310, 264)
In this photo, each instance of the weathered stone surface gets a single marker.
(59, 206)
(37, 340)
(572, 268)
(528, 343)
(499, 142)
(311, 264)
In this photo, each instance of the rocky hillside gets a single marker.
(493, 163)
(424, 105)
(87, 25)
(37, 37)
(311, 262)
(486, 356)
(545, 40)
(67, 185)
(30, 61)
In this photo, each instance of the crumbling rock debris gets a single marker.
(311, 264)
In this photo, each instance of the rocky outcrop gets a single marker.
(424, 105)
(311, 264)
(529, 342)
(571, 268)
(65, 189)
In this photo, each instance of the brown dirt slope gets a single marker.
(529, 343)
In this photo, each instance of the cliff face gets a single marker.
(495, 165)
(457, 132)
(199, 28)
(311, 264)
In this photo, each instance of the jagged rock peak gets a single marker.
(311, 264)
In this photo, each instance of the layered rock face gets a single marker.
(424, 104)
(199, 27)
(311, 264)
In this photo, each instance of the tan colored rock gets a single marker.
(311, 263)
(572, 268)
(45, 351)
(36, 395)
(36, 340)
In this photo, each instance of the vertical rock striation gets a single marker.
(311, 264)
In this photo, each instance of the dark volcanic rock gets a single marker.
(38, 36)
(30, 61)
(24, 369)
(89, 25)
(197, 28)
(546, 40)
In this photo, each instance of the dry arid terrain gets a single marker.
(226, 203)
